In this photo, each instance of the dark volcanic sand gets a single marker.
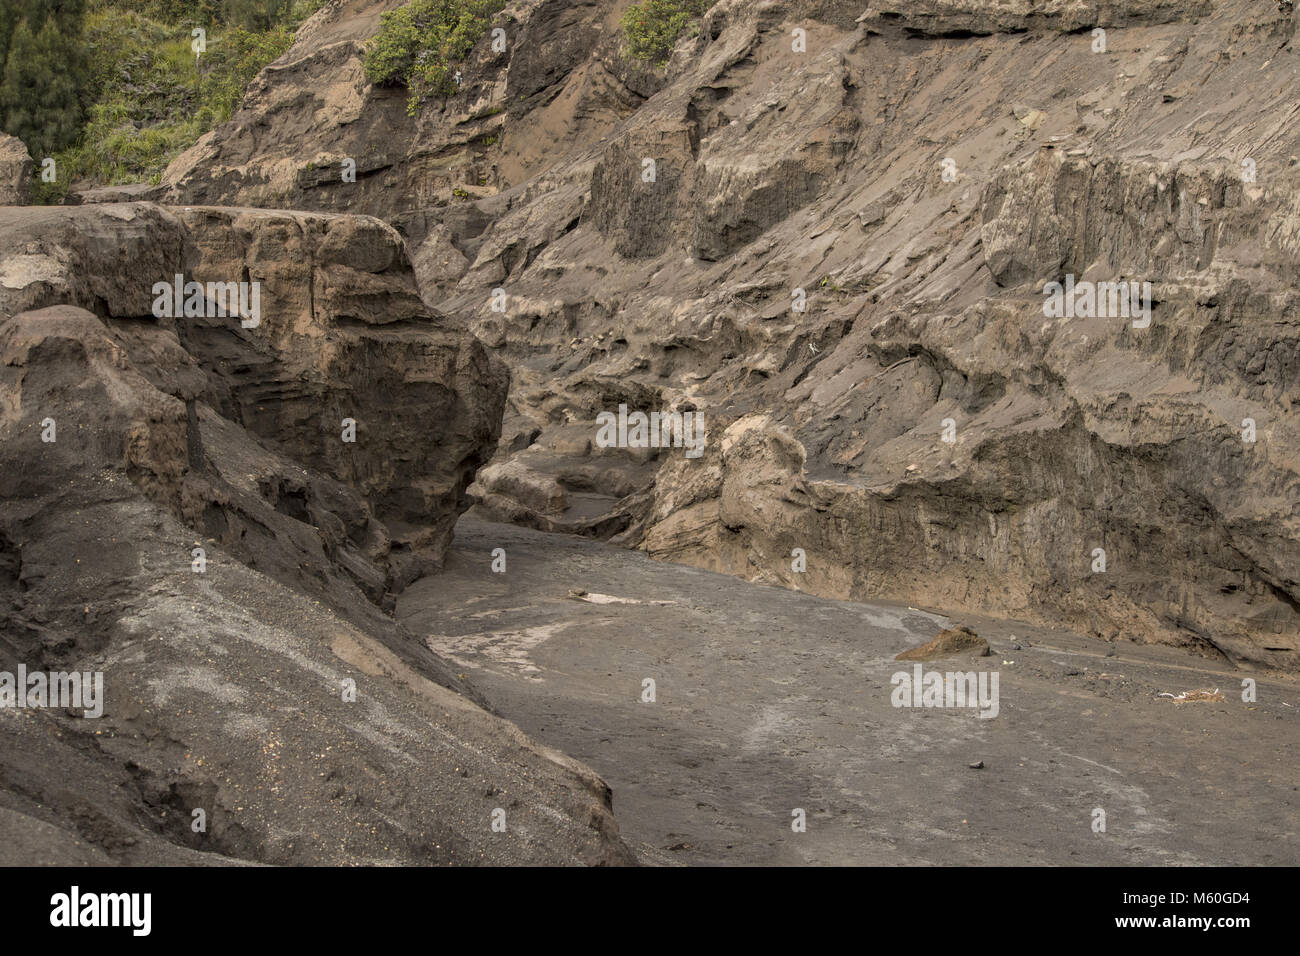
(769, 700)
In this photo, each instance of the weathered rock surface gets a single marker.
(962, 18)
(342, 336)
(860, 322)
(128, 441)
(15, 172)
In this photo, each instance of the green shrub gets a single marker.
(232, 64)
(653, 27)
(418, 45)
(255, 16)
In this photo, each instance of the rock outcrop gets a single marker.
(345, 372)
(176, 517)
(15, 172)
(840, 260)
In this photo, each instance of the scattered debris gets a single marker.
(593, 597)
(977, 765)
(1189, 696)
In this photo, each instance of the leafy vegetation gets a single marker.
(44, 68)
(653, 27)
(419, 45)
(136, 94)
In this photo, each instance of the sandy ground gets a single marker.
(769, 700)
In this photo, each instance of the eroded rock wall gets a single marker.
(173, 516)
(840, 261)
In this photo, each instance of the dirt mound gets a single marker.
(950, 641)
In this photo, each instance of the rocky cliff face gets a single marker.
(838, 255)
(339, 367)
(183, 512)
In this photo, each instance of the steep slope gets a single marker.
(182, 514)
(841, 262)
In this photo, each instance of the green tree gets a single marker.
(8, 22)
(13, 12)
(67, 14)
(40, 93)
